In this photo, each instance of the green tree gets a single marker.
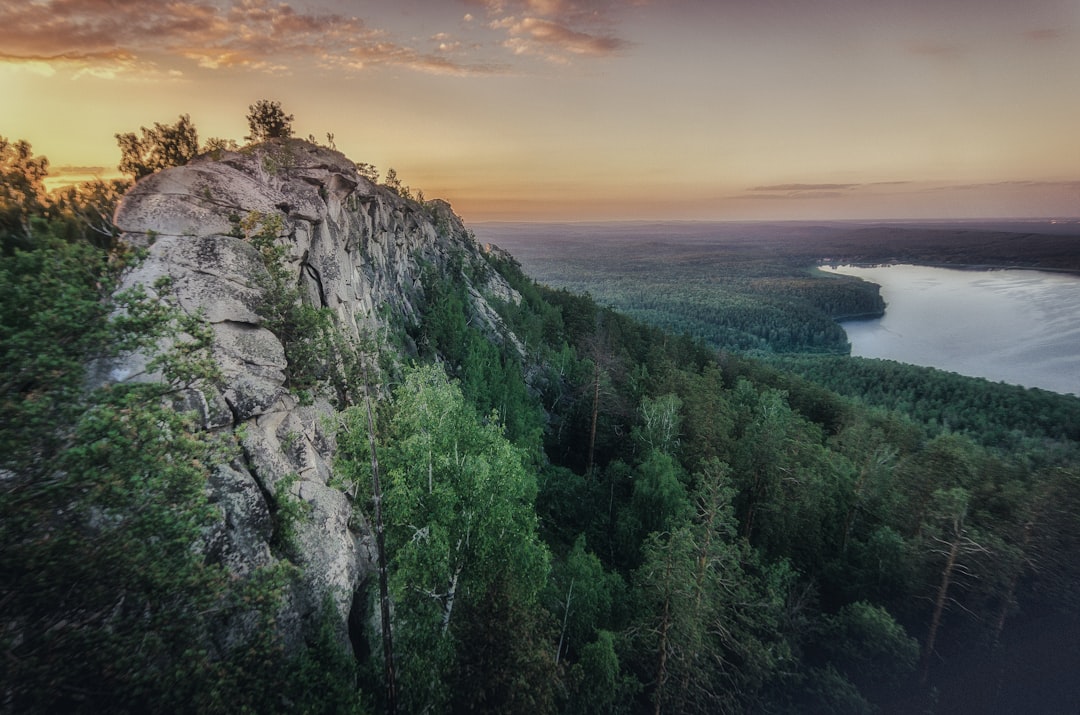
(22, 193)
(868, 646)
(660, 423)
(85, 211)
(698, 647)
(307, 332)
(461, 531)
(109, 602)
(659, 503)
(267, 120)
(583, 595)
(164, 146)
(598, 680)
(950, 541)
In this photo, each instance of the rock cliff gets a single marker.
(352, 247)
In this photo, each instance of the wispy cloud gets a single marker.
(940, 51)
(1067, 185)
(542, 37)
(819, 190)
(805, 187)
(1044, 34)
(133, 37)
(69, 169)
(878, 189)
(558, 30)
(105, 64)
(385, 53)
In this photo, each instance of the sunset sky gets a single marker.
(591, 109)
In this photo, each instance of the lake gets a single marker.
(1015, 326)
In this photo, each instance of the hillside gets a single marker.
(297, 443)
(348, 247)
(752, 286)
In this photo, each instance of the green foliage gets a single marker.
(733, 292)
(110, 603)
(864, 642)
(393, 183)
(584, 596)
(993, 413)
(216, 146)
(490, 375)
(84, 212)
(368, 171)
(21, 189)
(599, 683)
(107, 603)
(660, 424)
(461, 534)
(722, 535)
(289, 510)
(307, 332)
(267, 120)
(695, 644)
(164, 146)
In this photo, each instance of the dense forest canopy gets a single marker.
(596, 516)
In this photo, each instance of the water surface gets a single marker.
(1015, 326)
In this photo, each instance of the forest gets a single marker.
(754, 287)
(631, 516)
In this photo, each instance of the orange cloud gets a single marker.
(537, 36)
(389, 53)
(558, 29)
(133, 36)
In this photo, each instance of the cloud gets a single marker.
(535, 36)
(1068, 185)
(937, 51)
(132, 37)
(558, 30)
(103, 65)
(1046, 34)
(817, 191)
(789, 195)
(911, 190)
(69, 169)
(374, 54)
(805, 187)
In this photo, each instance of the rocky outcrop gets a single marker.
(354, 248)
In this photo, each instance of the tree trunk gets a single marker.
(380, 550)
(565, 618)
(451, 596)
(595, 412)
(1006, 602)
(665, 626)
(939, 608)
(849, 518)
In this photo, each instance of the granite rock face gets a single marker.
(354, 248)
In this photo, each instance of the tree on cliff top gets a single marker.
(21, 187)
(267, 120)
(164, 146)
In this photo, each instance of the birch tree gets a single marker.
(458, 505)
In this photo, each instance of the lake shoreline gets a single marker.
(1011, 324)
(956, 266)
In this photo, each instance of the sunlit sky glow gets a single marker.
(591, 109)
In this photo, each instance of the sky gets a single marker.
(552, 110)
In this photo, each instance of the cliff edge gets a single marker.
(348, 245)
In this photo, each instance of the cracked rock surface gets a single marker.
(354, 248)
